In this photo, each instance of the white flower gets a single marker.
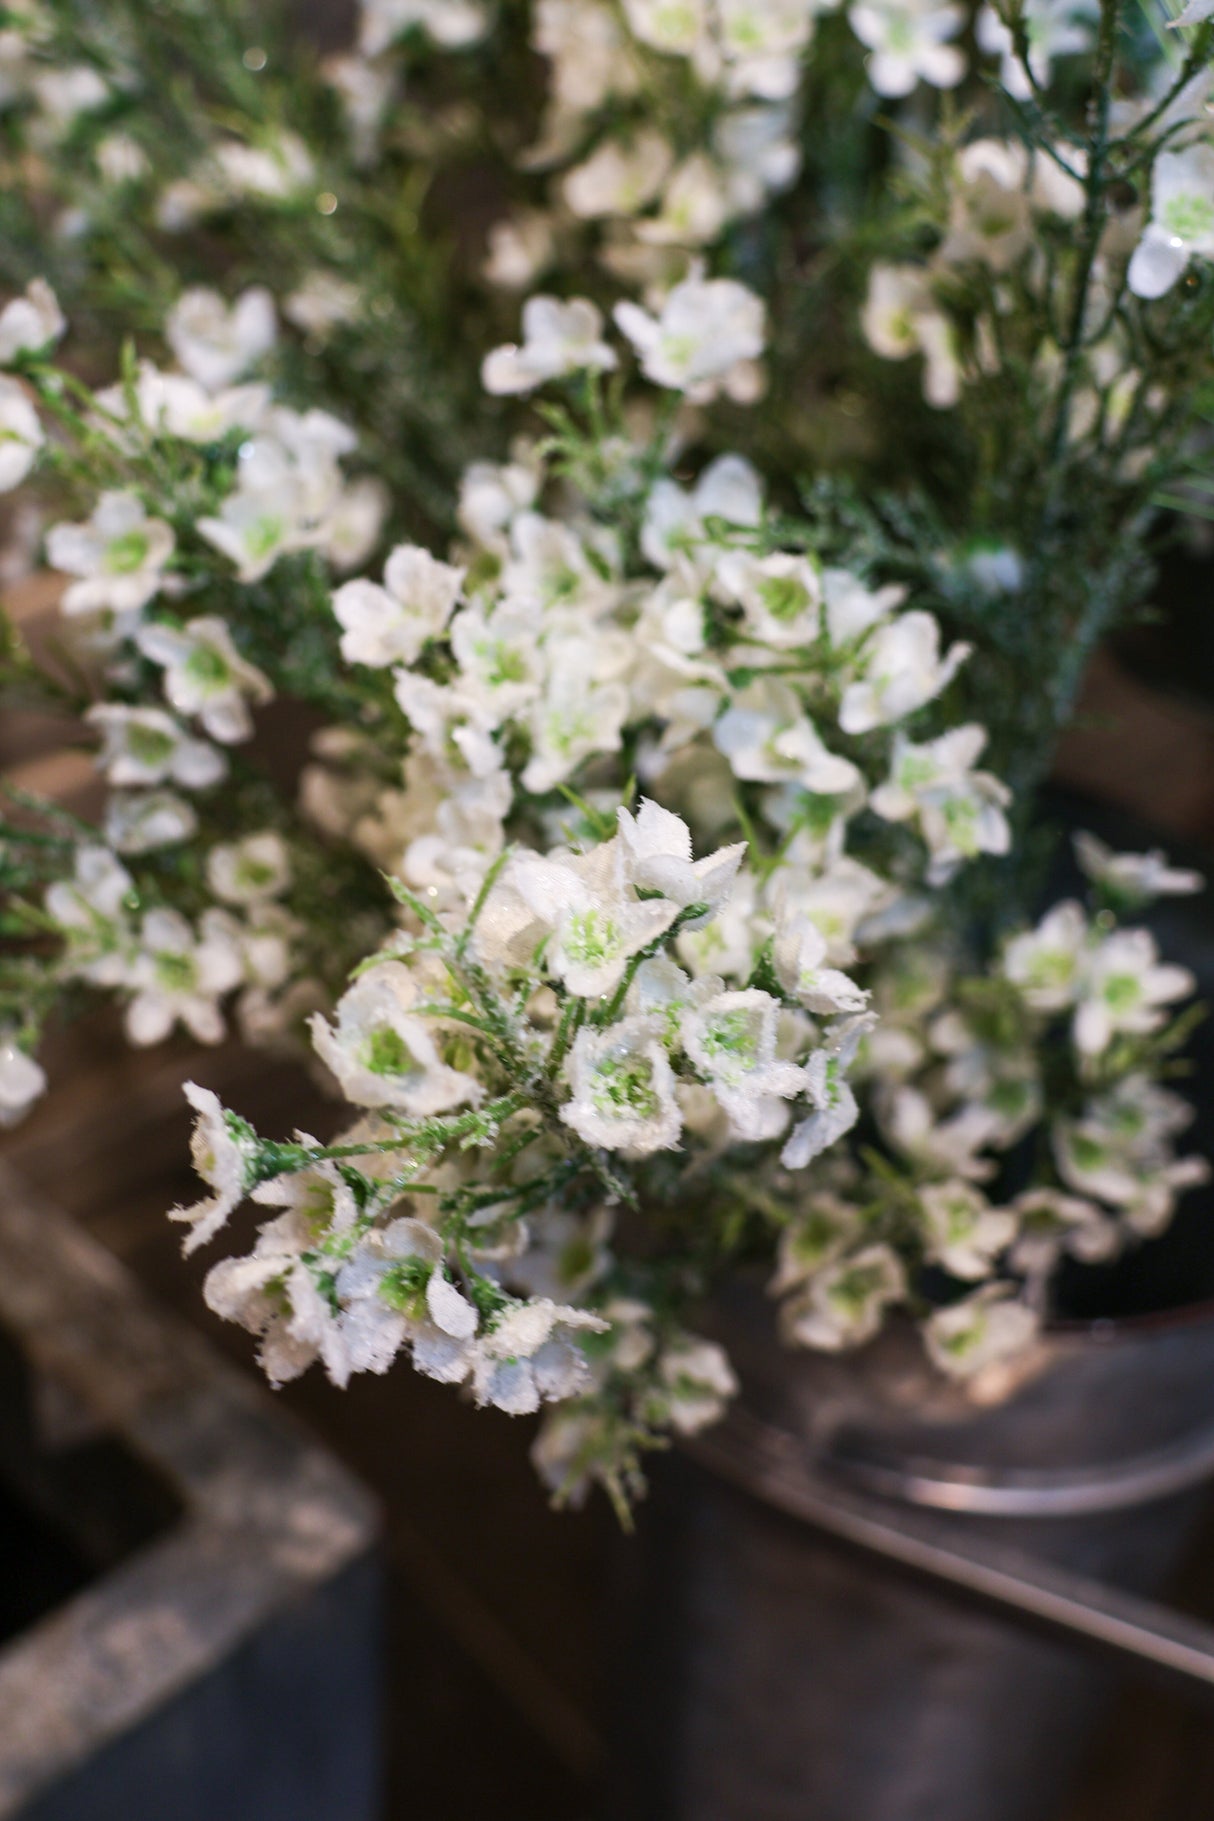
(781, 595)
(960, 811)
(950, 1146)
(964, 1233)
(678, 27)
(527, 1357)
(619, 179)
(205, 675)
(20, 435)
(30, 323)
(899, 670)
(90, 910)
(852, 609)
(1054, 28)
(695, 206)
(119, 554)
(595, 928)
(558, 338)
(255, 526)
(908, 40)
(170, 404)
(521, 246)
(901, 317)
(1120, 1152)
(139, 821)
(819, 1231)
(384, 1054)
(798, 953)
(1051, 1223)
(222, 1149)
(22, 1080)
(1132, 880)
(250, 870)
(844, 1305)
(767, 736)
(731, 1038)
(708, 330)
(178, 976)
(697, 1382)
(389, 625)
(351, 530)
(984, 1329)
(1044, 963)
(674, 524)
(322, 303)
(454, 24)
(623, 1089)
(1123, 987)
(763, 41)
(657, 856)
(147, 746)
(836, 1109)
(1182, 219)
(217, 342)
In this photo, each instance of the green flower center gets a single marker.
(1188, 217)
(784, 597)
(208, 668)
(623, 1085)
(591, 937)
(175, 972)
(386, 1053)
(125, 554)
(149, 746)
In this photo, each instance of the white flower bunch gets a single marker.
(520, 1067)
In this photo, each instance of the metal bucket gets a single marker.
(772, 1676)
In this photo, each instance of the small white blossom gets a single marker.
(960, 810)
(558, 339)
(389, 625)
(205, 675)
(781, 595)
(222, 1150)
(900, 669)
(1045, 963)
(901, 317)
(147, 746)
(697, 1382)
(767, 736)
(1133, 880)
(217, 342)
(909, 42)
(656, 854)
(595, 928)
(619, 179)
(383, 1052)
(1124, 987)
(731, 1038)
(623, 1089)
(91, 912)
(964, 1232)
(985, 1329)
(707, 331)
(140, 821)
(250, 870)
(30, 323)
(21, 435)
(1053, 28)
(119, 555)
(178, 976)
(527, 1356)
(1182, 219)
(798, 954)
(454, 24)
(844, 1304)
(22, 1080)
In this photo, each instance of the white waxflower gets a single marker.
(780, 595)
(731, 1038)
(30, 323)
(760, 154)
(994, 189)
(454, 24)
(696, 204)
(91, 912)
(587, 44)
(1124, 987)
(766, 736)
(901, 317)
(147, 746)
(322, 303)
(964, 1233)
(222, 1149)
(389, 625)
(256, 525)
(250, 870)
(727, 944)
(1120, 1152)
(501, 664)
(1054, 28)
(205, 675)
(384, 1054)
(844, 1304)
(140, 821)
(1132, 880)
(617, 178)
(595, 928)
(798, 954)
(527, 1356)
(1182, 219)
(960, 810)
(520, 247)
(21, 435)
(1050, 1223)
(823, 1226)
(909, 43)
(836, 1109)
(899, 670)
(708, 334)
(678, 27)
(951, 1146)
(1045, 963)
(171, 404)
(852, 609)
(575, 720)
(696, 1383)
(623, 1089)
(656, 852)
(558, 339)
(22, 1080)
(674, 524)
(763, 41)
(178, 975)
(217, 342)
(119, 556)
(987, 1328)
(351, 530)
